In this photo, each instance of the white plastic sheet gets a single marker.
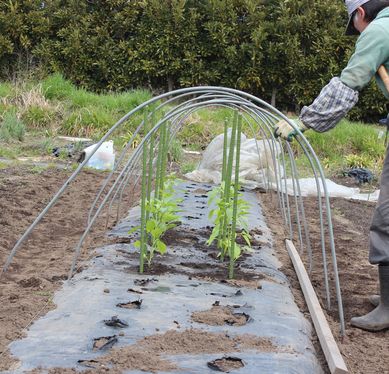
(258, 165)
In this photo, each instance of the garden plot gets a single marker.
(182, 314)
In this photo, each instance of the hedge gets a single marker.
(282, 51)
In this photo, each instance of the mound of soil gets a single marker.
(221, 315)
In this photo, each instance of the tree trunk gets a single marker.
(170, 84)
(273, 97)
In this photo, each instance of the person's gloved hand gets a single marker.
(286, 131)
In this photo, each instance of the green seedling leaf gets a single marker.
(214, 235)
(161, 247)
(150, 225)
(246, 236)
(236, 251)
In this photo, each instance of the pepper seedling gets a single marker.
(222, 213)
(162, 216)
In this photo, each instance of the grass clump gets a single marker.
(12, 128)
(38, 117)
(5, 89)
(56, 87)
(348, 145)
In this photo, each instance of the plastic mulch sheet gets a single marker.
(154, 304)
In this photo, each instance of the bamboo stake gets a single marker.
(150, 171)
(224, 165)
(235, 206)
(164, 159)
(223, 182)
(227, 184)
(159, 159)
(142, 248)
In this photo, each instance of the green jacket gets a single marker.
(371, 51)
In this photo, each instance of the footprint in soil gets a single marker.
(226, 364)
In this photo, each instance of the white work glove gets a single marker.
(286, 131)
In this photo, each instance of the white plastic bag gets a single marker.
(104, 157)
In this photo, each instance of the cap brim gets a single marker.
(350, 29)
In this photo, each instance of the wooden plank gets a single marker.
(331, 351)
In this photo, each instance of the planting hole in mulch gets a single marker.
(115, 322)
(104, 342)
(226, 364)
(131, 304)
(93, 364)
(144, 282)
(134, 291)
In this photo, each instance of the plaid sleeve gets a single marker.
(333, 103)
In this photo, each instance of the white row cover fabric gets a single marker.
(257, 170)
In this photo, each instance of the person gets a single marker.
(369, 19)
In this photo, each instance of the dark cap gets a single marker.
(352, 6)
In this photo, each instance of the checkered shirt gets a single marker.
(333, 103)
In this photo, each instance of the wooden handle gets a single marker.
(384, 76)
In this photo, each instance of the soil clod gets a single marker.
(31, 282)
(226, 364)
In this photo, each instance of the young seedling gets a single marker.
(162, 212)
(223, 212)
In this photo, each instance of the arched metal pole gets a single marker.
(226, 96)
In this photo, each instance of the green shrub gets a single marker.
(274, 49)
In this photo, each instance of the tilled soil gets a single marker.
(43, 262)
(364, 352)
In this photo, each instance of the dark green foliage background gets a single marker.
(285, 49)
